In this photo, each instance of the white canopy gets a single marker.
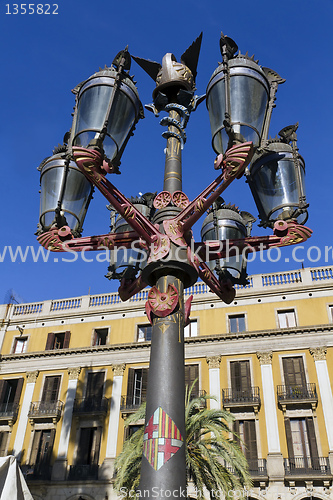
(12, 482)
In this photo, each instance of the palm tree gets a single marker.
(213, 461)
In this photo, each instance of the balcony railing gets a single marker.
(46, 409)
(9, 411)
(131, 403)
(257, 467)
(293, 395)
(82, 472)
(247, 397)
(307, 466)
(38, 472)
(91, 406)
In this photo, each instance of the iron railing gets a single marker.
(38, 471)
(40, 409)
(9, 410)
(296, 392)
(83, 472)
(91, 405)
(131, 402)
(134, 402)
(307, 466)
(257, 466)
(249, 396)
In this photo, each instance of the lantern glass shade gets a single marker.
(101, 104)
(278, 187)
(130, 260)
(248, 98)
(64, 188)
(226, 229)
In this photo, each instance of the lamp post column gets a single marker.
(163, 470)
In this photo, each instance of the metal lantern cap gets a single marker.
(250, 68)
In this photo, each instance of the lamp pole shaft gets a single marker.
(163, 470)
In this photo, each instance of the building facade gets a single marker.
(72, 370)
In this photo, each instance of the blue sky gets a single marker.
(45, 56)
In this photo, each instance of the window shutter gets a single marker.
(250, 440)
(294, 373)
(51, 389)
(3, 384)
(18, 390)
(96, 444)
(82, 456)
(311, 437)
(49, 342)
(130, 385)
(95, 385)
(240, 375)
(35, 447)
(236, 431)
(67, 339)
(191, 375)
(3, 443)
(289, 438)
(144, 384)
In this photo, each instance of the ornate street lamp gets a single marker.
(240, 99)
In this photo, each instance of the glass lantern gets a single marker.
(225, 223)
(65, 194)
(106, 112)
(277, 181)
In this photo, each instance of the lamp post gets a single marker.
(240, 98)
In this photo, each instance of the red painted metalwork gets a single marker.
(162, 303)
(177, 229)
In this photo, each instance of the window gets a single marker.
(51, 389)
(294, 373)
(137, 386)
(237, 323)
(57, 340)
(191, 375)
(88, 446)
(100, 336)
(144, 333)
(240, 377)
(41, 450)
(95, 386)
(20, 345)
(191, 330)
(330, 314)
(301, 441)
(287, 319)
(10, 393)
(246, 438)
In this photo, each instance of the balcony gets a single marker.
(241, 399)
(297, 396)
(83, 472)
(257, 468)
(130, 404)
(310, 467)
(45, 410)
(8, 413)
(37, 472)
(91, 406)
